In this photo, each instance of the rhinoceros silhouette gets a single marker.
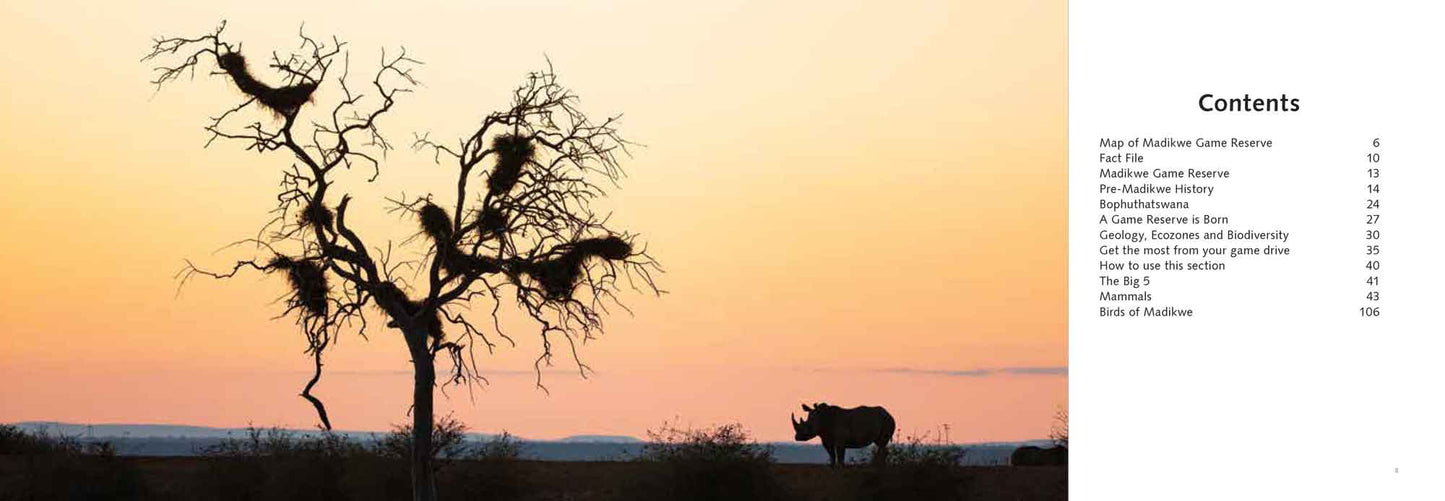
(842, 429)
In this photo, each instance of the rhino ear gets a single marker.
(806, 409)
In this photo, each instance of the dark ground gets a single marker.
(168, 478)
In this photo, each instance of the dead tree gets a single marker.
(519, 228)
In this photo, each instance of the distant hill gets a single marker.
(604, 439)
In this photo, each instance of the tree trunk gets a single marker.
(423, 476)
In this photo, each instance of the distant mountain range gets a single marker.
(182, 440)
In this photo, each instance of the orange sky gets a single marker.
(837, 190)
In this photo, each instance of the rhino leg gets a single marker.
(832, 457)
(880, 454)
(842, 456)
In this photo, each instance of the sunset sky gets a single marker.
(855, 202)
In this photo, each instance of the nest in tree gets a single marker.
(611, 248)
(557, 277)
(308, 283)
(513, 153)
(455, 261)
(283, 101)
(491, 221)
(435, 222)
(316, 214)
(281, 263)
(461, 263)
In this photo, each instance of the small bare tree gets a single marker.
(527, 235)
(1059, 431)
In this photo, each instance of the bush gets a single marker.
(917, 468)
(501, 448)
(448, 437)
(14, 440)
(44, 466)
(490, 471)
(1059, 432)
(473, 471)
(266, 464)
(279, 464)
(721, 463)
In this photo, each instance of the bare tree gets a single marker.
(1059, 431)
(526, 235)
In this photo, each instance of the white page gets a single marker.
(1277, 387)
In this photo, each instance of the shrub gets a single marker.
(501, 448)
(917, 468)
(490, 470)
(279, 464)
(45, 466)
(448, 440)
(1059, 432)
(14, 440)
(473, 471)
(721, 463)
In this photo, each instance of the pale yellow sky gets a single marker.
(836, 189)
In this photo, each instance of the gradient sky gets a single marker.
(856, 202)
